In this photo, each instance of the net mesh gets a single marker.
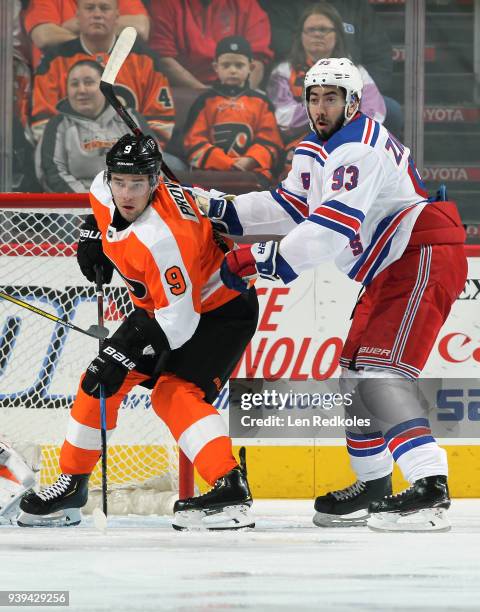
(41, 361)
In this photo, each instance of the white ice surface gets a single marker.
(284, 564)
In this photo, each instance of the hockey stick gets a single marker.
(119, 54)
(103, 401)
(94, 331)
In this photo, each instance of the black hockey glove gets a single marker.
(144, 332)
(90, 253)
(138, 336)
(110, 367)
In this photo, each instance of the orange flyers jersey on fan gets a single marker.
(140, 85)
(167, 257)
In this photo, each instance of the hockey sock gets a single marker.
(82, 447)
(199, 430)
(414, 449)
(369, 455)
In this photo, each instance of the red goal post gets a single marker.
(41, 362)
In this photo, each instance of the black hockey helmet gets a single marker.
(133, 154)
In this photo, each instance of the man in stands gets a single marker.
(140, 83)
(52, 22)
(185, 35)
(183, 339)
(355, 196)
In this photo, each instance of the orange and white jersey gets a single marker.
(167, 257)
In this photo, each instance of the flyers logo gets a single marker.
(136, 288)
(126, 96)
(233, 137)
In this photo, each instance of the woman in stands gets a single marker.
(319, 35)
(72, 150)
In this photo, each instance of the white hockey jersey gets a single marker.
(353, 198)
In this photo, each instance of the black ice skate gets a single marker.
(56, 506)
(421, 507)
(349, 507)
(225, 506)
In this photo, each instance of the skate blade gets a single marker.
(63, 518)
(429, 519)
(354, 519)
(10, 508)
(228, 518)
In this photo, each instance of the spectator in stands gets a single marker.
(231, 126)
(23, 171)
(22, 72)
(365, 35)
(185, 35)
(319, 35)
(74, 143)
(139, 82)
(52, 22)
(367, 42)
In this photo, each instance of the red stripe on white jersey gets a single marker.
(335, 215)
(381, 243)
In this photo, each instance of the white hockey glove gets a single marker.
(219, 208)
(16, 477)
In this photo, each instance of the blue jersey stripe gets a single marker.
(381, 227)
(343, 208)
(378, 261)
(310, 154)
(376, 132)
(330, 224)
(287, 207)
(294, 195)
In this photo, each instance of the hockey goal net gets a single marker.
(41, 361)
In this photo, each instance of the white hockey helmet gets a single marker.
(337, 72)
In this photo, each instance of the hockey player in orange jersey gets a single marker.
(183, 339)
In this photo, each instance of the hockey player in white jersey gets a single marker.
(16, 477)
(355, 196)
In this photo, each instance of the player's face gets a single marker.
(232, 68)
(131, 193)
(97, 17)
(83, 91)
(326, 107)
(318, 37)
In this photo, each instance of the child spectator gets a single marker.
(139, 83)
(319, 35)
(74, 143)
(231, 126)
(51, 22)
(185, 35)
